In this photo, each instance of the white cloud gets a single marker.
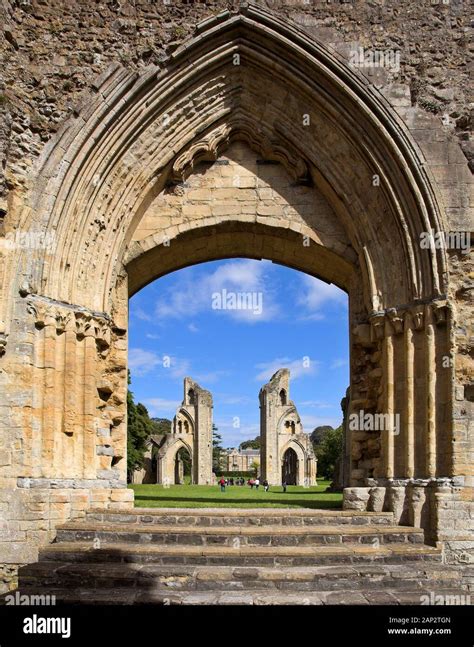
(193, 294)
(179, 368)
(316, 294)
(139, 313)
(159, 407)
(193, 328)
(300, 367)
(211, 377)
(339, 363)
(142, 361)
(232, 436)
(317, 404)
(310, 422)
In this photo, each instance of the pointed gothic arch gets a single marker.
(138, 138)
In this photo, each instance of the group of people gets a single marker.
(253, 483)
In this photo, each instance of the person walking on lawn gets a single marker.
(222, 483)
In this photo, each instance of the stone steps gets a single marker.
(237, 556)
(240, 517)
(127, 596)
(171, 578)
(236, 535)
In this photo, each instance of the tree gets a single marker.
(328, 451)
(217, 449)
(139, 429)
(161, 425)
(250, 444)
(317, 435)
(255, 466)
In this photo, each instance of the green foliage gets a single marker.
(139, 429)
(217, 449)
(209, 496)
(317, 435)
(328, 451)
(250, 444)
(186, 458)
(255, 466)
(161, 425)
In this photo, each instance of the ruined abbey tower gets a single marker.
(191, 430)
(287, 452)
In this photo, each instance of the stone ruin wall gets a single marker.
(53, 52)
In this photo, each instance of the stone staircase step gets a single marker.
(126, 596)
(169, 578)
(268, 535)
(239, 555)
(241, 516)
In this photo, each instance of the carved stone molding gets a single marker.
(210, 147)
(64, 317)
(396, 320)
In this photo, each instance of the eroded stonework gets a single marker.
(191, 430)
(334, 170)
(287, 455)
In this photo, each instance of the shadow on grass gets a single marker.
(257, 503)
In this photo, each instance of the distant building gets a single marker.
(242, 460)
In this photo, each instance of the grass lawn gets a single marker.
(210, 496)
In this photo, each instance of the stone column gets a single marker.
(409, 397)
(38, 392)
(387, 435)
(89, 400)
(430, 346)
(49, 396)
(70, 381)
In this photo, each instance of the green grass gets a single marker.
(210, 496)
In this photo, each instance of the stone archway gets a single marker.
(289, 469)
(167, 468)
(330, 181)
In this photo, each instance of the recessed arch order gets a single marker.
(336, 188)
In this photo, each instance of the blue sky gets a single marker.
(292, 320)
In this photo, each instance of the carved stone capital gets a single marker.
(418, 316)
(102, 333)
(440, 312)
(40, 311)
(83, 324)
(396, 320)
(377, 321)
(62, 319)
